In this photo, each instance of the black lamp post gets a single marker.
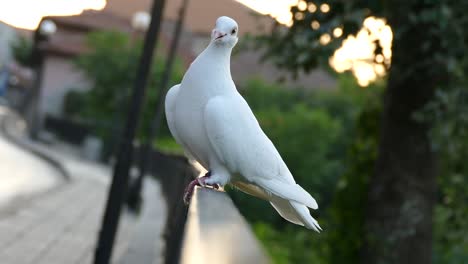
(118, 186)
(134, 197)
(32, 102)
(140, 22)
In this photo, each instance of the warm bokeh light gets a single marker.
(278, 9)
(325, 39)
(302, 5)
(315, 25)
(312, 8)
(28, 13)
(325, 8)
(337, 32)
(299, 16)
(281, 9)
(357, 52)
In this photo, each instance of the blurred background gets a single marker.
(365, 100)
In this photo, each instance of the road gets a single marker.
(61, 224)
(22, 173)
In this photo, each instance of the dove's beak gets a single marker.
(218, 34)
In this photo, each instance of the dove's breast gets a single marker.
(199, 85)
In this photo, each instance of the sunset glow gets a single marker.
(28, 13)
(278, 9)
(356, 53)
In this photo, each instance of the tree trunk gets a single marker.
(402, 190)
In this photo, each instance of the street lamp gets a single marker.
(134, 193)
(118, 187)
(44, 31)
(47, 27)
(141, 21)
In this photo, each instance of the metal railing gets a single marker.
(211, 229)
(215, 232)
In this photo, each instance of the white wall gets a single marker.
(59, 77)
(7, 35)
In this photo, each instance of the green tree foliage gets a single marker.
(449, 112)
(298, 48)
(22, 48)
(111, 66)
(440, 58)
(316, 134)
(292, 244)
(74, 101)
(449, 133)
(347, 210)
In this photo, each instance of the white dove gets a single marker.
(216, 127)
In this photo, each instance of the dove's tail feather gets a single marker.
(284, 208)
(304, 214)
(295, 213)
(291, 191)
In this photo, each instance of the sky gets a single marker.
(278, 9)
(28, 13)
(15, 13)
(356, 53)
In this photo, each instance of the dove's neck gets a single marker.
(220, 56)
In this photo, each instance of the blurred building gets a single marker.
(200, 18)
(59, 76)
(68, 40)
(7, 36)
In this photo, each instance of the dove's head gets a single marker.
(225, 32)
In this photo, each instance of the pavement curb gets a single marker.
(7, 124)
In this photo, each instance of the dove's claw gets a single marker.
(189, 190)
(214, 185)
(197, 182)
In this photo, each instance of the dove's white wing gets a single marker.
(242, 146)
(170, 105)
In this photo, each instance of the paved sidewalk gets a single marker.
(56, 227)
(61, 225)
(21, 172)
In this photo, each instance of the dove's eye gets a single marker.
(233, 32)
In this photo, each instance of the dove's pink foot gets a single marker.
(197, 182)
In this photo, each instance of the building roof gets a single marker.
(200, 18)
(70, 38)
(201, 14)
(93, 20)
(127, 9)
